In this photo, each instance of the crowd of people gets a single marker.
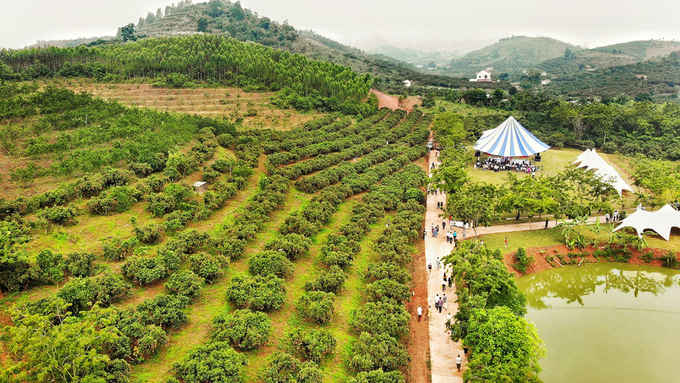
(498, 164)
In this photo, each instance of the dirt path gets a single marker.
(392, 102)
(443, 350)
(419, 345)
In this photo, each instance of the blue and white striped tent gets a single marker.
(510, 139)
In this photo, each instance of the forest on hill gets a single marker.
(510, 55)
(175, 61)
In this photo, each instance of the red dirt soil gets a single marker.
(392, 102)
(541, 264)
(419, 342)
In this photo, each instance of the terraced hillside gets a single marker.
(275, 271)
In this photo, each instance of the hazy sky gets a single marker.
(425, 24)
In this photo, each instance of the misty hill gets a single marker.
(512, 55)
(415, 56)
(658, 77)
(608, 56)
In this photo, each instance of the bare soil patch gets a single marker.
(541, 253)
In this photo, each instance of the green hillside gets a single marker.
(657, 77)
(608, 56)
(513, 54)
(231, 19)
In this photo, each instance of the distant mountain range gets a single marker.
(512, 55)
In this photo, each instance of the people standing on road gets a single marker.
(420, 313)
(606, 217)
(459, 361)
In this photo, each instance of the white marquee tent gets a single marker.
(510, 139)
(660, 221)
(591, 160)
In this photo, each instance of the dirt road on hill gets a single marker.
(393, 103)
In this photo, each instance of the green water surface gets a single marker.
(607, 322)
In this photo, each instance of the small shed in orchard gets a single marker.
(200, 187)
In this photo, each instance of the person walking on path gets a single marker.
(424, 234)
(506, 243)
(606, 217)
(429, 313)
(455, 236)
(546, 223)
(450, 282)
(420, 313)
(445, 302)
(438, 263)
(443, 225)
(429, 268)
(459, 361)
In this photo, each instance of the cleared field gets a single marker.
(254, 108)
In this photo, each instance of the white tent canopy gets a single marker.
(510, 139)
(660, 221)
(592, 161)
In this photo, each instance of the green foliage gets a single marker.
(80, 263)
(329, 280)
(311, 345)
(381, 317)
(59, 215)
(144, 271)
(244, 329)
(116, 249)
(293, 245)
(257, 293)
(379, 376)
(379, 351)
(316, 306)
(388, 289)
(184, 283)
(148, 234)
(212, 362)
(206, 266)
(523, 260)
(166, 311)
(505, 347)
(82, 293)
(284, 368)
(270, 263)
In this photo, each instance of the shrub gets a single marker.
(81, 293)
(257, 293)
(226, 140)
(49, 267)
(523, 260)
(117, 250)
(184, 283)
(144, 271)
(166, 311)
(206, 266)
(294, 245)
(284, 368)
(380, 351)
(148, 234)
(232, 248)
(316, 306)
(669, 259)
(141, 169)
(387, 288)
(311, 345)
(387, 270)
(59, 215)
(382, 317)
(244, 329)
(379, 376)
(80, 263)
(213, 362)
(153, 339)
(188, 241)
(170, 259)
(270, 263)
(330, 280)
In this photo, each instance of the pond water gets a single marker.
(607, 322)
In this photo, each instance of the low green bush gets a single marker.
(244, 329)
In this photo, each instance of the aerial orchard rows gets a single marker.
(85, 331)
